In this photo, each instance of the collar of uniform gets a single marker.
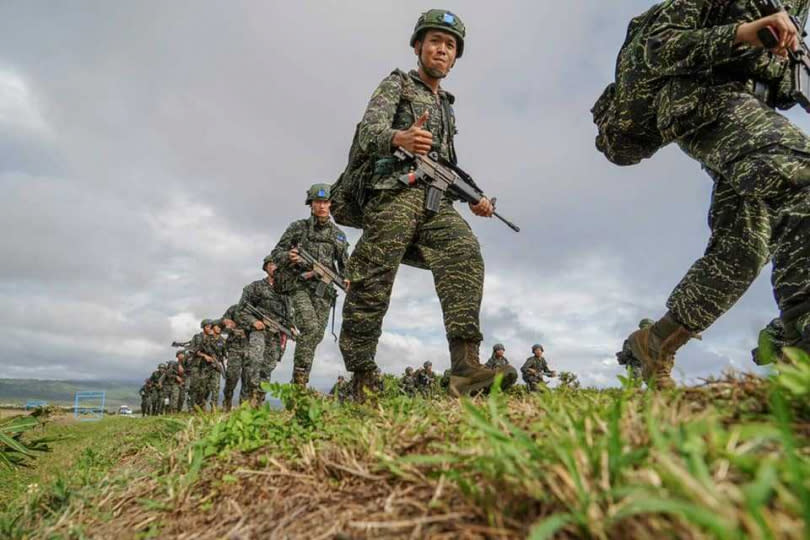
(413, 74)
(314, 223)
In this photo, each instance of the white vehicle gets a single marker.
(124, 410)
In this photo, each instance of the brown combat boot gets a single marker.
(363, 383)
(300, 378)
(655, 347)
(468, 376)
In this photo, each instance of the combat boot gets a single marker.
(468, 376)
(363, 383)
(655, 347)
(300, 378)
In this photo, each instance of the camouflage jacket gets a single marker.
(395, 105)
(237, 337)
(495, 362)
(534, 368)
(691, 43)
(326, 242)
(172, 376)
(264, 296)
(424, 378)
(212, 345)
(408, 384)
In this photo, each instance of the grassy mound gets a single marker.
(728, 459)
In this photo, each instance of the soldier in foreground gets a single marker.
(718, 105)
(534, 368)
(414, 112)
(236, 354)
(311, 298)
(497, 360)
(265, 344)
(625, 356)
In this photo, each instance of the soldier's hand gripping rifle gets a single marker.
(440, 177)
(291, 332)
(325, 275)
(799, 59)
(185, 344)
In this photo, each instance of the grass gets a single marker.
(80, 457)
(727, 460)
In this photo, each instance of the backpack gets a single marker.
(625, 113)
(349, 190)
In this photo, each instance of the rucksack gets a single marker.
(625, 113)
(349, 191)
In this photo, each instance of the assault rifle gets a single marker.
(291, 332)
(800, 59)
(442, 176)
(185, 344)
(326, 275)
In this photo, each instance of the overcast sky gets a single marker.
(151, 154)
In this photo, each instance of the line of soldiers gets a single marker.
(291, 302)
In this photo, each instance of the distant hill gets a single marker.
(19, 391)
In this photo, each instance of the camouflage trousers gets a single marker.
(237, 368)
(212, 377)
(155, 402)
(396, 225)
(198, 389)
(144, 405)
(172, 392)
(263, 353)
(311, 318)
(760, 207)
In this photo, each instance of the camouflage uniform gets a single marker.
(328, 244)
(156, 393)
(425, 380)
(408, 382)
(265, 347)
(340, 389)
(144, 393)
(533, 370)
(172, 384)
(397, 228)
(205, 376)
(496, 361)
(236, 353)
(759, 161)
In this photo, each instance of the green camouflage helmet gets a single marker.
(205, 322)
(537, 346)
(180, 352)
(498, 347)
(161, 366)
(318, 192)
(644, 323)
(439, 19)
(427, 364)
(268, 259)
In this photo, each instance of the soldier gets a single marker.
(207, 349)
(265, 345)
(625, 356)
(340, 389)
(215, 370)
(321, 238)
(173, 382)
(774, 334)
(414, 112)
(497, 360)
(408, 382)
(535, 367)
(144, 392)
(156, 395)
(236, 354)
(425, 379)
(718, 106)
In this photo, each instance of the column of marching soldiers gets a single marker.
(705, 75)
